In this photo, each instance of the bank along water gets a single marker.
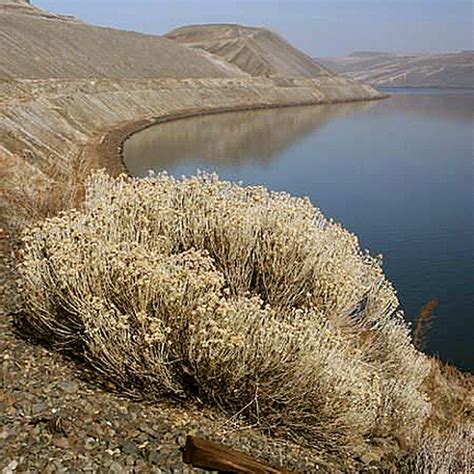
(396, 172)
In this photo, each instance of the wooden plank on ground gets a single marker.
(208, 455)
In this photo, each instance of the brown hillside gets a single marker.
(256, 51)
(427, 70)
(40, 45)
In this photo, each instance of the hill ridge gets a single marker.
(257, 51)
(36, 44)
(452, 69)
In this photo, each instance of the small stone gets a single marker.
(154, 458)
(142, 438)
(62, 443)
(90, 444)
(38, 408)
(69, 387)
(116, 468)
(59, 468)
(44, 439)
(11, 468)
(141, 466)
(130, 448)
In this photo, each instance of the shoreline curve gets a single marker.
(110, 147)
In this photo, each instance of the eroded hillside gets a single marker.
(35, 44)
(256, 51)
(385, 69)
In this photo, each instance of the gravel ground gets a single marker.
(55, 417)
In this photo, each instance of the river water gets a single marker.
(396, 172)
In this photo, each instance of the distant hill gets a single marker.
(41, 45)
(415, 70)
(256, 51)
(370, 54)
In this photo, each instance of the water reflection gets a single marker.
(230, 138)
(440, 105)
(258, 136)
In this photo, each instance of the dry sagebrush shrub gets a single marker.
(443, 453)
(247, 299)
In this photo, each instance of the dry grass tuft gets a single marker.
(451, 394)
(246, 299)
(423, 323)
(30, 194)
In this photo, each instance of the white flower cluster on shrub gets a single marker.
(245, 298)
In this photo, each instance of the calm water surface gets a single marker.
(397, 172)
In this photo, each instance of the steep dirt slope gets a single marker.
(37, 44)
(385, 69)
(257, 51)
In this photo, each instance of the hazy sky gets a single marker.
(320, 27)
